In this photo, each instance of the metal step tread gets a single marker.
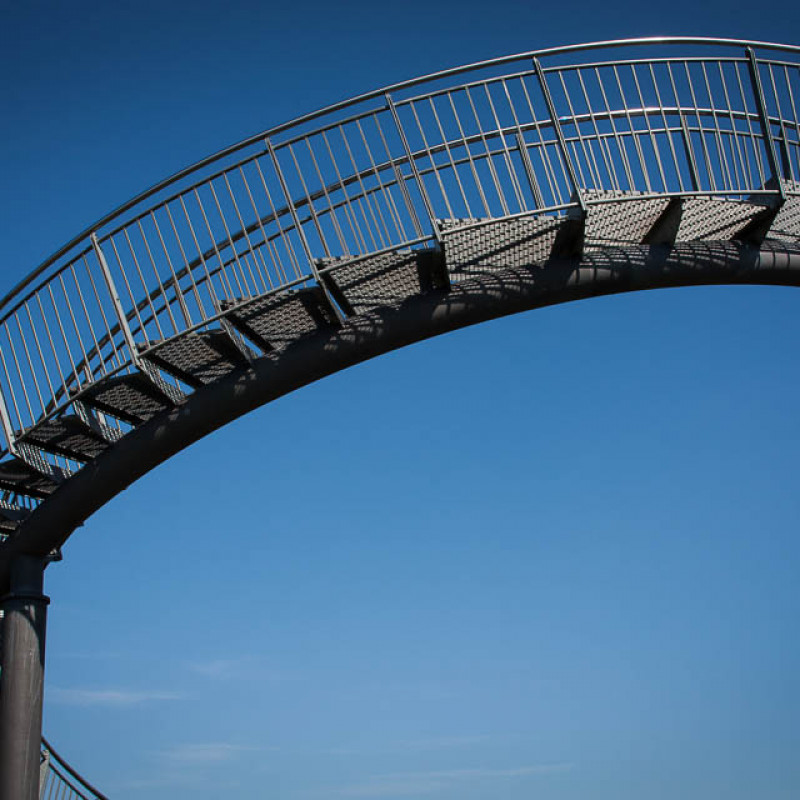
(11, 515)
(786, 226)
(713, 218)
(276, 321)
(622, 222)
(497, 245)
(20, 478)
(382, 280)
(133, 398)
(198, 358)
(69, 436)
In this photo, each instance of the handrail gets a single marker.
(256, 218)
(60, 783)
(304, 118)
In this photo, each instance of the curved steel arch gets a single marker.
(506, 291)
(406, 212)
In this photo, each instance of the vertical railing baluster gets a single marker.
(115, 300)
(414, 169)
(758, 92)
(528, 167)
(687, 145)
(301, 233)
(562, 142)
(5, 420)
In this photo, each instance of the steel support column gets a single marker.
(22, 679)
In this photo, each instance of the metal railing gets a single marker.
(59, 781)
(536, 133)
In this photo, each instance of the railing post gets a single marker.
(414, 169)
(5, 421)
(312, 262)
(758, 92)
(562, 142)
(115, 300)
(686, 135)
(22, 679)
(44, 768)
(529, 171)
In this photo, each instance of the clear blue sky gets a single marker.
(553, 557)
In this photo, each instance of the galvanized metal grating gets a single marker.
(131, 398)
(18, 477)
(626, 221)
(11, 515)
(786, 226)
(709, 218)
(68, 436)
(497, 245)
(198, 358)
(383, 280)
(278, 320)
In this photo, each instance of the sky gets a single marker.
(553, 556)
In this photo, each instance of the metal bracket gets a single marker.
(758, 228)
(665, 229)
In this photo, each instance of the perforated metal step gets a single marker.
(786, 226)
(383, 280)
(199, 358)
(278, 320)
(620, 218)
(21, 478)
(497, 245)
(712, 218)
(11, 515)
(133, 398)
(71, 436)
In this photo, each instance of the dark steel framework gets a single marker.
(433, 204)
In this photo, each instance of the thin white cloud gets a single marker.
(459, 774)
(413, 746)
(443, 742)
(93, 656)
(204, 753)
(417, 783)
(106, 697)
(408, 788)
(219, 668)
(232, 668)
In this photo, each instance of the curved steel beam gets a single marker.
(511, 291)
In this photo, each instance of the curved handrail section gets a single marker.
(60, 781)
(538, 135)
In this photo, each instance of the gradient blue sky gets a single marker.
(554, 556)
